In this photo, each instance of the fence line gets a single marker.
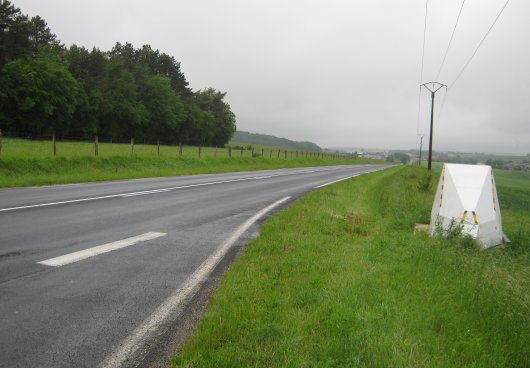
(137, 148)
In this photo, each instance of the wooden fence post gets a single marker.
(270, 153)
(96, 146)
(54, 145)
(158, 146)
(200, 149)
(132, 146)
(0, 141)
(278, 153)
(241, 151)
(229, 151)
(285, 153)
(262, 152)
(180, 149)
(215, 152)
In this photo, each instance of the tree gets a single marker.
(402, 157)
(165, 65)
(39, 95)
(122, 112)
(41, 39)
(224, 124)
(119, 94)
(165, 109)
(197, 127)
(21, 36)
(91, 70)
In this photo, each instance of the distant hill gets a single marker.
(270, 140)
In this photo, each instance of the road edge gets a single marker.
(134, 350)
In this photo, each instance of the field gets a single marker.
(23, 148)
(340, 279)
(28, 162)
(483, 157)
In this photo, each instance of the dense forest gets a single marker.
(270, 140)
(123, 93)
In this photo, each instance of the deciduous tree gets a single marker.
(39, 95)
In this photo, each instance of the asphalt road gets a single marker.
(85, 269)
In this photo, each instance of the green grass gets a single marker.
(513, 189)
(340, 279)
(18, 148)
(483, 157)
(25, 162)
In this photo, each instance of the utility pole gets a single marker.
(432, 87)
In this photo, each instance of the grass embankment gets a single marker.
(340, 279)
(24, 162)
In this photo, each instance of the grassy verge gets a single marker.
(24, 162)
(341, 280)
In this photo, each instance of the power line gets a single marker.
(451, 39)
(442, 106)
(419, 128)
(424, 34)
(480, 44)
(445, 56)
(422, 60)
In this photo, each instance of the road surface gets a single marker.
(90, 272)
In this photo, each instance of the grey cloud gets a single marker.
(337, 72)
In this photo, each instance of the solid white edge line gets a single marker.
(100, 249)
(335, 181)
(346, 178)
(173, 305)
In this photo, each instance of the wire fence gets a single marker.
(23, 145)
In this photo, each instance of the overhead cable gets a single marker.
(480, 44)
(424, 34)
(450, 40)
(422, 59)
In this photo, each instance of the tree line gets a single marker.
(118, 94)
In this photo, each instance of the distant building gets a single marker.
(372, 155)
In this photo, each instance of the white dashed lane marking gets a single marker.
(100, 249)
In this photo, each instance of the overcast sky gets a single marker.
(338, 73)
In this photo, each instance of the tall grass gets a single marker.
(341, 279)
